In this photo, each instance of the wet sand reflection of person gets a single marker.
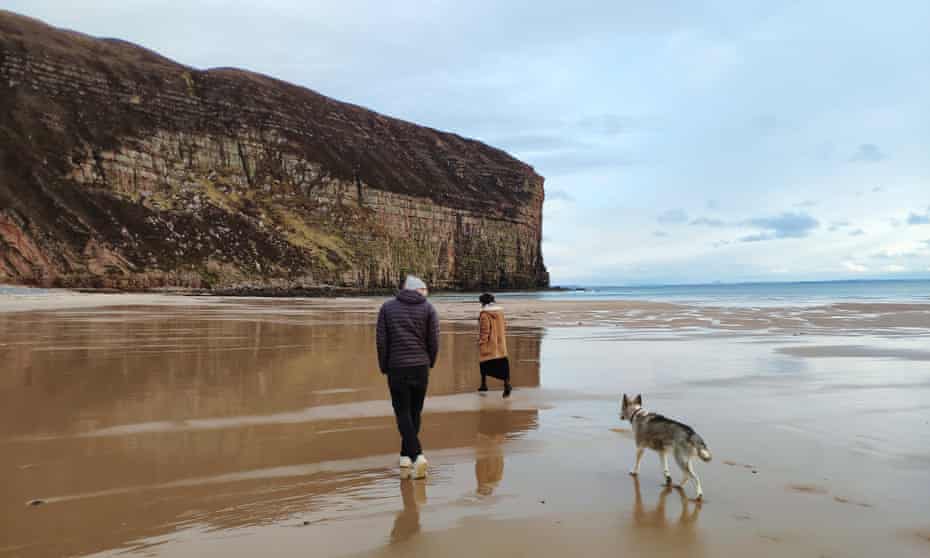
(489, 462)
(494, 427)
(407, 521)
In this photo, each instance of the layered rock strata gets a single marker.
(120, 168)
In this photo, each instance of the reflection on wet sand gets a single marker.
(489, 465)
(494, 427)
(407, 521)
(654, 523)
(652, 529)
(252, 379)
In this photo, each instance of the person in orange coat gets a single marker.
(492, 344)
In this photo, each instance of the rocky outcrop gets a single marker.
(120, 168)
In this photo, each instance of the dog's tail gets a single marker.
(701, 447)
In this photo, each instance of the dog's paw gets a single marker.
(699, 498)
(668, 481)
(634, 473)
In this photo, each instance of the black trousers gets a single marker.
(408, 391)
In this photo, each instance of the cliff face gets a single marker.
(120, 168)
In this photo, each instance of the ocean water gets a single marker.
(746, 294)
(804, 293)
(17, 290)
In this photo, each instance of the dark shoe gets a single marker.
(507, 389)
(483, 388)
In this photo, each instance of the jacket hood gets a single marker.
(410, 297)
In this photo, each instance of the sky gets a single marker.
(681, 142)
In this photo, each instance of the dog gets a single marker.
(664, 435)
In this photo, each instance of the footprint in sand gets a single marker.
(815, 489)
(842, 500)
(807, 489)
(743, 465)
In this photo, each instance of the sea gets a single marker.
(762, 294)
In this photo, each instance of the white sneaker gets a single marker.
(405, 467)
(420, 467)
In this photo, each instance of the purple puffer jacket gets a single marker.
(408, 332)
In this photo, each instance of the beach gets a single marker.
(164, 425)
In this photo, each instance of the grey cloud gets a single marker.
(660, 234)
(708, 222)
(756, 237)
(561, 195)
(786, 225)
(919, 218)
(867, 153)
(857, 232)
(836, 225)
(673, 216)
(611, 124)
(537, 142)
(806, 203)
(571, 162)
(894, 256)
(878, 189)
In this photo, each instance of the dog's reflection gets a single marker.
(407, 521)
(681, 533)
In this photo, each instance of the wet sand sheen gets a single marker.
(262, 427)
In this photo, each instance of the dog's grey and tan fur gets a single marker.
(664, 435)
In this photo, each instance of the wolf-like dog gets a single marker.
(664, 435)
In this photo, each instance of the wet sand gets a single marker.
(243, 427)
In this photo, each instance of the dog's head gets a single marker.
(629, 405)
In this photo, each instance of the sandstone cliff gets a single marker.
(120, 168)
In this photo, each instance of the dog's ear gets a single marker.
(639, 399)
(624, 401)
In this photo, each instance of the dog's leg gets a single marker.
(639, 457)
(697, 481)
(668, 476)
(685, 465)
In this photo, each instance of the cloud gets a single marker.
(836, 225)
(855, 267)
(673, 216)
(786, 225)
(806, 203)
(895, 268)
(878, 189)
(900, 250)
(856, 232)
(867, 153)
(536, 143)
(560, 195)
(660, 234)
(919, 218)
(611, 124)
(708, 222)
(756, 237)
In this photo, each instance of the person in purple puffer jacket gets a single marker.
(408, 345)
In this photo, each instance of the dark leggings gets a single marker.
(408, 391)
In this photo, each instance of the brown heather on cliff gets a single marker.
(120, 168)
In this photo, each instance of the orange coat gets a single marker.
(492, 338)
